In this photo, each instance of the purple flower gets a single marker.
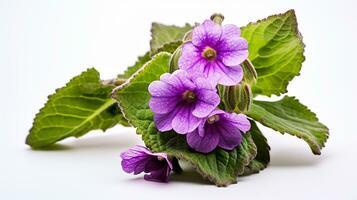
(216, 51)
(180, 102)
(140, 159)
(218, 129)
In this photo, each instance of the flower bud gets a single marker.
(174, 59)
(250, 75)
(217, 18)
(187, 37)
(237, 98)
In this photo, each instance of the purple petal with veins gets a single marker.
(180, 101)
(219, 129)
(216, 51)
(139, 159)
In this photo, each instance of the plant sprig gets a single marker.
(276, 52)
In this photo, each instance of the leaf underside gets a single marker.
(168, 47)
(162, 35)
(288, 115)
(220, 166)
(84, 104)
(276, 50)
(262, 158)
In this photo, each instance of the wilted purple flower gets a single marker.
(180, 102)
(140, 159)
(216, 51)
(219, 129)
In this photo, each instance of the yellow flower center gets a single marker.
(209, 53)
(189, 96)
(160, 158)
(213, 119)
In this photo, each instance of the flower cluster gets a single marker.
(186, 101)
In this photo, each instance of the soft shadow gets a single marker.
(188, 175)
(294, 158)
(109, 141)
(103, 142)
(53, 147)
(140, 180)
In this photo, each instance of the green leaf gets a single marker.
(276, 50)
(163, 34)
(84, 104)
(220, 166)
(138, 64)
(288, 115)
(169, 47)
(262, 158)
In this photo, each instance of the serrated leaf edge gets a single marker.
(299, 36)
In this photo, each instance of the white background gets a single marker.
(45, 43)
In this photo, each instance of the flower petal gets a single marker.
(134, 159)
(230, 135)
(162, 89)
(229, 75)
(204, 144)
(207, 101)
(164, 155)
(184, 122)
(140, 166)
(137, 150)
(210, 71)
(230, 31)
(216, 112)
(130, 165)
(232, 48)
(163, 122)
(162, 105)
(164, 77)
(237, 55)
(181, 81)
(239, 120)
(230, 39)
(154, 164)
(204, 83)
(203, 109)
(161, 175)
(140, 159)
(191, 58)
(206, 34)
(201, 127)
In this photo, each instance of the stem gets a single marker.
(117, 82)
(114, 81)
